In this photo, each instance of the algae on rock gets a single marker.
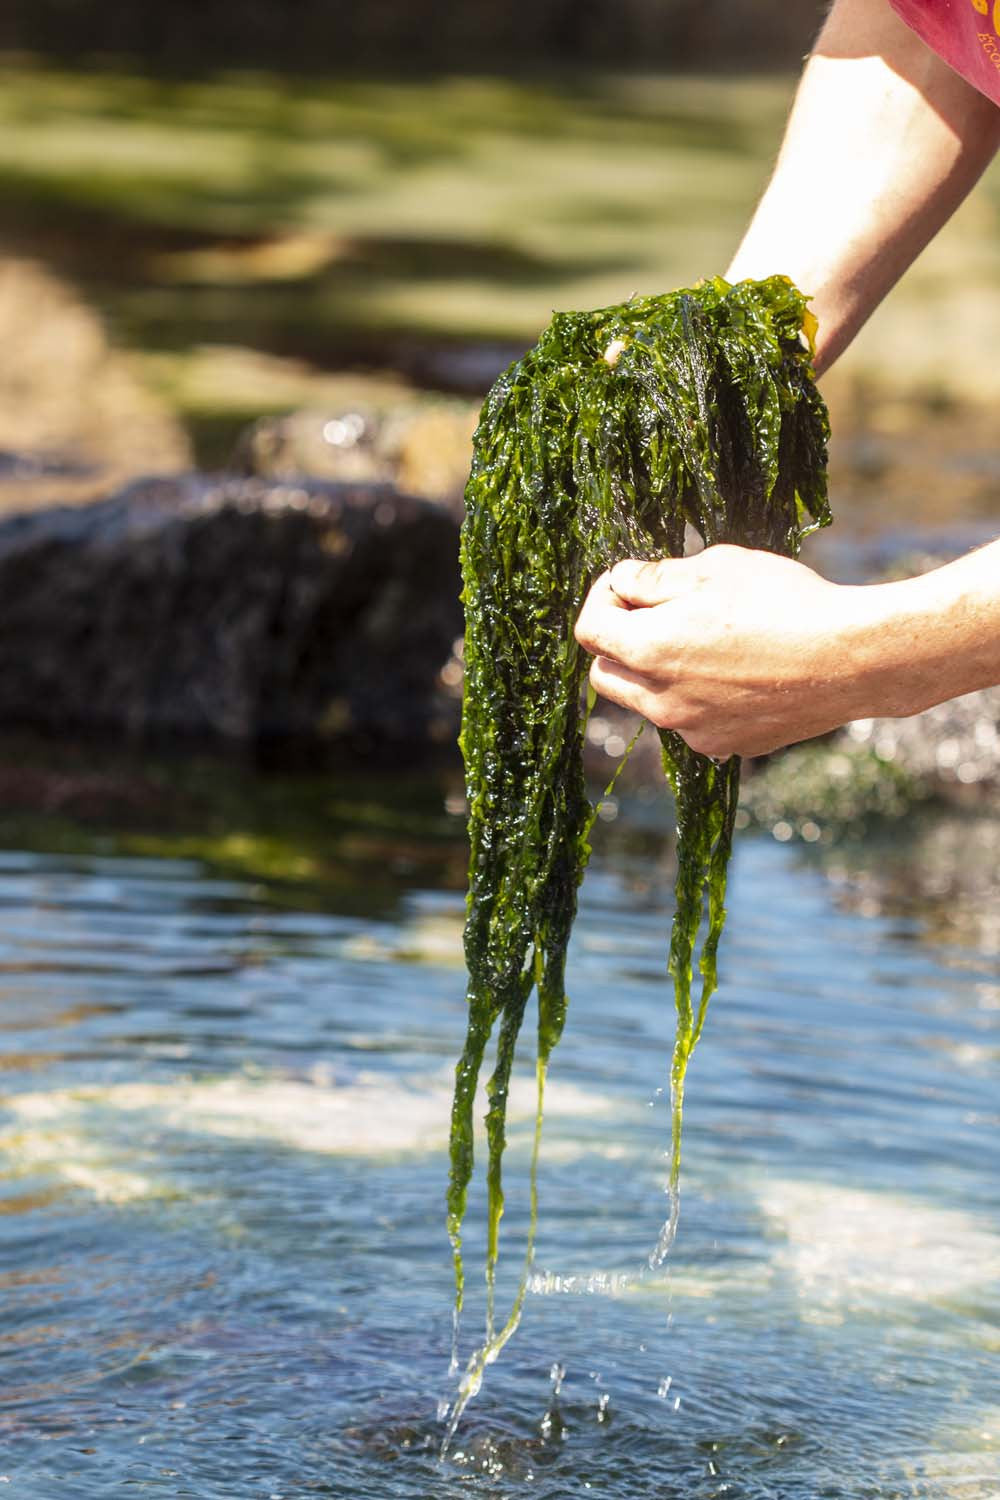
(619, 429)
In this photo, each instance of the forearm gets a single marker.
(883, 142)
(908, 645)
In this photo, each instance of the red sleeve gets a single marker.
(966, 33)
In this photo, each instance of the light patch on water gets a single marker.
(79, 1161)
(566, 1151)
(369, 1116)
(963, 1462)
(850, 1246)
(429, 938)
(983, 1435)
(110, 1184)
(960, 1476)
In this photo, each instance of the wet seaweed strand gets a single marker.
(614, 432)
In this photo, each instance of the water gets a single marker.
(223, 1258)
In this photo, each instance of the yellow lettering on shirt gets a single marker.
(988, 42)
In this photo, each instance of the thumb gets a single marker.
(645, 583)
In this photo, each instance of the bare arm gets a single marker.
(883, 143)
(743, 651)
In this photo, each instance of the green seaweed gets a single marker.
(617, 431)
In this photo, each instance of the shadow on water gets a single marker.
(354, 841)
(348, 838)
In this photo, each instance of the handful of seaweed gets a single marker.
(616, 431)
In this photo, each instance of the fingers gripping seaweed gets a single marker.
(616, 431)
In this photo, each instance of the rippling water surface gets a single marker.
(222, 1144)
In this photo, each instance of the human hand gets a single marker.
(740, 651)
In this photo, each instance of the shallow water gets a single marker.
(222, 1249)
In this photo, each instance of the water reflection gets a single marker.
(222, 1254)
(938, 872)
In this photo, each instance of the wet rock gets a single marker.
(233, 610)
(819, 793)
(952, 749)
(879, 769)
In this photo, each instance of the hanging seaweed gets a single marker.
(619, 429)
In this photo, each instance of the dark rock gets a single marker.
(233, 609)
(464, 368)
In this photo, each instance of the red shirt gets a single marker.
(966, 33)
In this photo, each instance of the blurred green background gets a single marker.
(211, 213)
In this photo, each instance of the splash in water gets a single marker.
(617, 431)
